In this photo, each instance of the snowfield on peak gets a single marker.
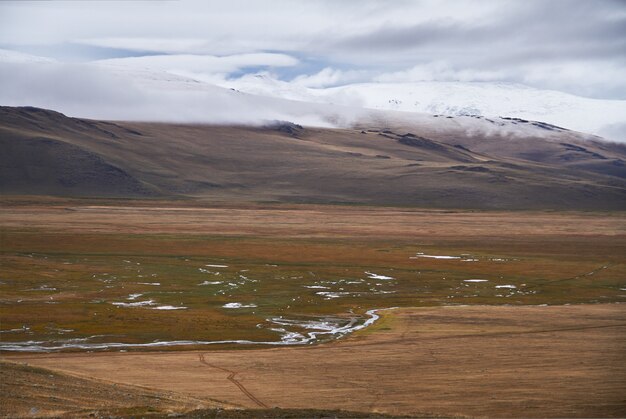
(595, 116)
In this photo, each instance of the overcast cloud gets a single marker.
(573, 46)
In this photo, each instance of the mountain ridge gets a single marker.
(423, 165)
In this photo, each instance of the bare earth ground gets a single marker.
(29, 391)
(566, 361)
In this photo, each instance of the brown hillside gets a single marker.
(45, 152)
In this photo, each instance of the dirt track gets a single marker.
(232, 379)
(566, 361)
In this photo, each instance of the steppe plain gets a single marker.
(520, 315)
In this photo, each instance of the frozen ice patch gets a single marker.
(325, 327)
(19, 330)
(238, 305)
(372, 275)
(206, 271)
(422, 255)
(169, 308)
(43, 288)
(135, 304)
(329, 294)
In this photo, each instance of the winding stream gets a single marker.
(319, 330)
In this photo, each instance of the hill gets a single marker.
(426, 161)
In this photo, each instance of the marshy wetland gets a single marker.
(79, 276)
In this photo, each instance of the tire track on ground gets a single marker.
(572, 278)
(232, 379)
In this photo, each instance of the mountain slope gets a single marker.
(431, 166)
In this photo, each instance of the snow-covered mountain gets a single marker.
(124, 90)
(593, 116)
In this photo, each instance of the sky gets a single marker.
(572, 46)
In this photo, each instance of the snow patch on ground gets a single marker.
(169, 308)
(238, 305)
(328, 295)
(376, 276)
(422, 255)
(135, 304)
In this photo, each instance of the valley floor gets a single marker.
(499, 314)
(555, 361)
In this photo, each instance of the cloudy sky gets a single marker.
(573, 46)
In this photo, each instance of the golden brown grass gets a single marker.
(481, 361)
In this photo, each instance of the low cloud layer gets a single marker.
(203, 67)
(101, 92)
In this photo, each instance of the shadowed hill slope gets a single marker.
(433, 165)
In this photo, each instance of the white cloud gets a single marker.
(103, 92)
(8, 56)
(187, 64)
(438, 71)
(569, 45)
(585, 77)
(162, 45)
(614, 132)
(79, 89)
(328, 77)
(582, 77)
